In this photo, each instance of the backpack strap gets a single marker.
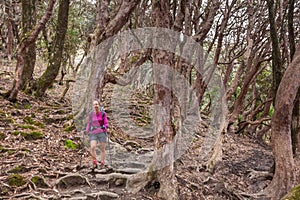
(91, 118)
(103, 115)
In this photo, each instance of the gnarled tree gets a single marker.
(21, 53)
(48, 77)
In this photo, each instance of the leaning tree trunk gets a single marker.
(48, 77)
(21, 52)
(108, 28)
(117, 22)
(28, 22)
(284, 177)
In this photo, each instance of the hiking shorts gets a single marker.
(100, 137)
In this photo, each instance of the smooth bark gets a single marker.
(285, 174)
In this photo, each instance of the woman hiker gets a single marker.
(97, 128)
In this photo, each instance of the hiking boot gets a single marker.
(95, 163)
(101, 164)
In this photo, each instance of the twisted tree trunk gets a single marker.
(48, 77)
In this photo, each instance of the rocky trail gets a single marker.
(40, 153)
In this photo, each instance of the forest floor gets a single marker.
(38, 161)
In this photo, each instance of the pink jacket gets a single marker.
(95, 123)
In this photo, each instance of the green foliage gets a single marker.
(70, 144)
(271, 111)
(16, 180)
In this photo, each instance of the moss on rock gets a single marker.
(294, 194)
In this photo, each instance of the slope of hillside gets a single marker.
(40, 153)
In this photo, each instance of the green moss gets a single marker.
(17, 169)
(2, 113)
(8, 120)
(60, 112)
(134, 58)
(39, 182)
(29, 120)
(2, 136)
(25, 126)
(4, 190)
(16, 180)
(25, 150)
(17, 132)
(16, 105)
(34, 135)
(3, 150)
(10, 152)
(70, 144)
(27, 106)
(152, 173)
(69, 117)
(39, 124)
(294, 194)
(69, 128)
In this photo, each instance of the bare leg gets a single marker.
(93, 149)
(102, 149)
